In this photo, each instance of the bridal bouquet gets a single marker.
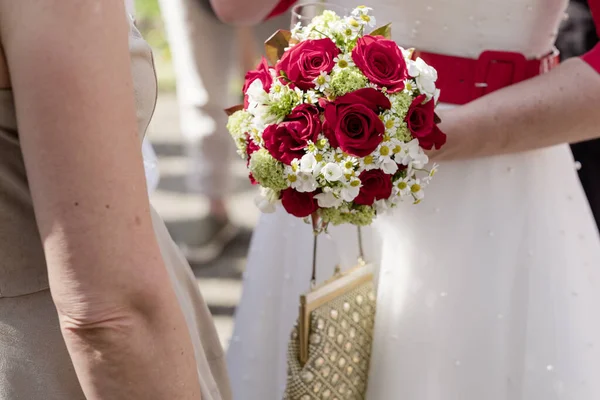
(335, 123)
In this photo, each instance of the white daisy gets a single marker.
(368, 163)
(349, 165)
(402, 187)
(391, 123)
(416, 190)
(343, 61)
(322, 81)
(311, 97)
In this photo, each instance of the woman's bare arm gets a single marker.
(558, 107)
(70, 72)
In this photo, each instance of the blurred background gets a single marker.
(182, 209)
(186, 211)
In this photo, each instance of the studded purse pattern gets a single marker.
(330, 347)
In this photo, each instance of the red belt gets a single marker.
(462, 80)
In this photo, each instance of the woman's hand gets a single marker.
(558, 107)
(71, 76)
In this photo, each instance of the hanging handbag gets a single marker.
(330, 347)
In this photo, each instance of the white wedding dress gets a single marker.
(488, 290)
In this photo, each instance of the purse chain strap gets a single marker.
(361, 255)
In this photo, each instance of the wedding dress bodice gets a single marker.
(468, 27)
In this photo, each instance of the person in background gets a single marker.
(577, 36)
(207, 56)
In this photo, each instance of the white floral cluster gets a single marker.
(332, 174)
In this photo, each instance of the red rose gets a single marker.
(352, 121)
(376, 185)
(382, 62)
(420, 120)
(305, 61)
(297, 203)
(262, 73)
(436, 138)
(287, 140)
(251, 148)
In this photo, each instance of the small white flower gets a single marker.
(311, 97)
(384, 151)
(360, 10)
(416, 189)
(277, 89)
(391, 123)
(351, 28)
(434, 169)
(368, 163)
(266, 200)
(349, 165)
(410, 86)
(381, 206)
(304, 182)
(416, 154)
(402, 187)
(332, 172)
(308, 163)
(389, 166)
(361, 14)
(328, 200)
(343, 61)
(322, 81)
(351, 190)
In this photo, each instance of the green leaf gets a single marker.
(385, 31)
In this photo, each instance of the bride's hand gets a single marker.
(554, 108)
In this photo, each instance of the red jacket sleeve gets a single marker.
(592, 57)
(281, 7)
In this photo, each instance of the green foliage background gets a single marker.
(150, 24)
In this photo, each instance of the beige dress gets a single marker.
(34, 363)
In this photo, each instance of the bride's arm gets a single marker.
(558, 107)
(71, 77)
(245, 12)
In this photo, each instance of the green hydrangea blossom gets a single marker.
(284, 104)
(360, 216)
(403, 133)
(267, 171)
(347, 80)
(401, 103)
(238, 125)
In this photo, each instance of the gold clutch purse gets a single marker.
(330, 347)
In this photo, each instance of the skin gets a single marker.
(119, 316)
